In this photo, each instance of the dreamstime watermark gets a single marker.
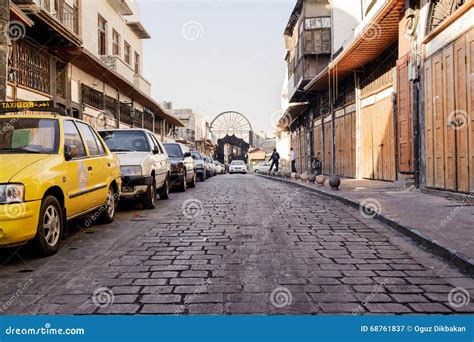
(458, 119)
(281, 297)
(379, 287)
(192, 208)
(458, 297)
(200, 288)
(370, 207)
(98, 213)
(278, 211)
(280, 119)
(102, 297)
(14, 30)
(192, 30)
(22, 288)
(47, 329)
(372, 33)
(469, 198)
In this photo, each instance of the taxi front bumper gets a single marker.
(18, 222)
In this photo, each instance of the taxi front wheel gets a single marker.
(50, 227)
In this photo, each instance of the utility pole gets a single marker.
(4, 19)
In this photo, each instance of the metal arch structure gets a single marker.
(231, 123)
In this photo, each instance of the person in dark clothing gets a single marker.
(274, 158)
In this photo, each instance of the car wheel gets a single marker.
(149, 197)
(50, 227)
(192, 184)
(108, 213)
(182, 185)
(164, 191)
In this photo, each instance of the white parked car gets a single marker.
(237, 166)
(262, 167)
(144, 164)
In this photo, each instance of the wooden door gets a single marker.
(318, 141)
(429, 142)
(438, 121)
(448, 111)
(405, 117)
(461, 115)
(327, 147)
(367, 157)
(470, 103)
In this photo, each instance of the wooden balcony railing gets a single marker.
(64, 13)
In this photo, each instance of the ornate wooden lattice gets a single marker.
(30, 67)
(440, 9)
(92, 97)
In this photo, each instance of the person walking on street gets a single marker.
(293, 161)
(274, 158)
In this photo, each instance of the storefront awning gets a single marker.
(294, 110)
(89, 63)
(376, 37)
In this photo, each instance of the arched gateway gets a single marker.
(234, 136)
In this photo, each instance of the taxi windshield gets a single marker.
(29, 135)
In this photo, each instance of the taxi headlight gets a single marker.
(12, 193)
(131, 170)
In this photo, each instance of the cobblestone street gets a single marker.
(236, 244)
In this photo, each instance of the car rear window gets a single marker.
(174, 150)
(125, 141)
(237, 162)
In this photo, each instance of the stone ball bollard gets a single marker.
(311, 178)
(297, 176)
(320, 180)
(288, 174)
(304, 177)
(334, 182)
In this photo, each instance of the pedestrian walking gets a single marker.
(292, 159)
(275, 159)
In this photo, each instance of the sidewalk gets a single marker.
(444, 226)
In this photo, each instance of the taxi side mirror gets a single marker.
(70, 152)
(187, 154)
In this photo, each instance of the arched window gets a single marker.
(440, 10)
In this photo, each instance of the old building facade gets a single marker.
(394, 99)
(86, 57)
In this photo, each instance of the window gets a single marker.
(99, 142)
(115, 43)
(89, 138)
(72, 137)
(127, 51)
(174, 150)
(137, 63)
(153, 142)
(126, 140)
(102, 36)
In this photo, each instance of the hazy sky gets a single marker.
(217, 55)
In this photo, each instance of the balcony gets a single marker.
(118, 65)
(64, 13)
(121, 7)
(142, 84)
(55, 16)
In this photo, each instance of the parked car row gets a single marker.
(54, 169)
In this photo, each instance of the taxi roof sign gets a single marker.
(38, 106)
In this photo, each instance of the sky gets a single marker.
(217, 55)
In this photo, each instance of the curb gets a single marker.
(449, 254)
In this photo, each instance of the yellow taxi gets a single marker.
(53, 168)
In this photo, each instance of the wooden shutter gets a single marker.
(462, 132)
(470, 103)
(438, 121)
(405, 117)
(448, 110)
(428, 85)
